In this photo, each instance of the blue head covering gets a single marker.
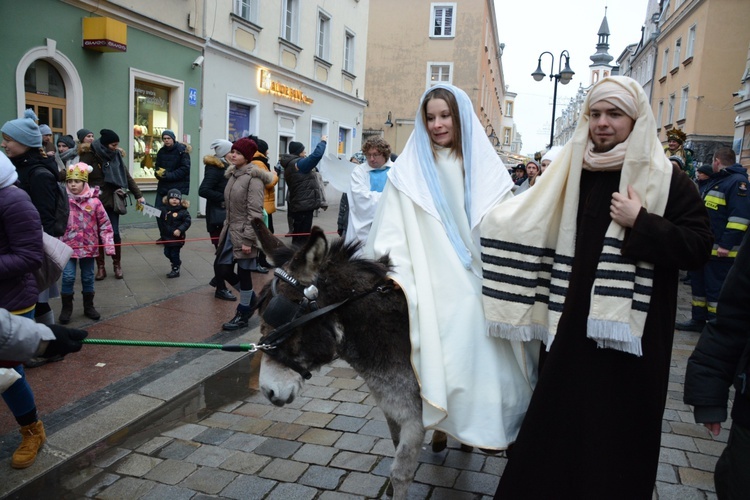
(427, 162)
(24, 130)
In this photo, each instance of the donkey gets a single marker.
(364, 321)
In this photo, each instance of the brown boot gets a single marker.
(33, 437)
(88, 306)
(67, 308)
(101, 271)
(116, 262)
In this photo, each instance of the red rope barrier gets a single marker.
(162, 242)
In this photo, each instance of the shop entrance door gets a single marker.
(49, 110)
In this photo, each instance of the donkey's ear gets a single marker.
(276, 252)
(308, 259)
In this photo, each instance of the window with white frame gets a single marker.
(677, 50)
(690, 42)
(509, 108)
(246, 9)
(684, 101)
(290, 20)
(439, 73)
(442, 20)
(324, 36)
(506, 136)
(670, 108)
(349, 51)
(665, 63)
(660, 114)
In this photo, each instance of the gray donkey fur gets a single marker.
(371, 334)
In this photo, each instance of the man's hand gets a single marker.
(324, 138)
(159, 173)
(722, 252)
(67, 340)
(624, 209)
(713, 427)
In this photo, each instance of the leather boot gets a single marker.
(240, 320)
(101, 271)
(88, 306)
(174, 273)
(67, 308)
(116, 262)
(33, 437)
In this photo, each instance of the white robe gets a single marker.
(363, 202)
(474, 387)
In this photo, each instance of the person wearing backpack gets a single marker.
(37, 175)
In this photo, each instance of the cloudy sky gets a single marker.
(529, 27)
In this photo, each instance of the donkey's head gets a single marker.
(299, 314)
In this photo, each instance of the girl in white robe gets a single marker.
(474, 387)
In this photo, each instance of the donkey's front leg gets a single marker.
(405, 462)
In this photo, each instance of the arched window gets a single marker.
(45, 94)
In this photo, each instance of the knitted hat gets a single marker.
(296, 148)
(45, 130)
(174, 193)
(67, 140)
(108, 136)
(246, 147)
(79, 172)
(680, 162)
(82, 134)
(262, 146)
(8, 174)
(24, 130)
(169, 133)
(532, 162)
(706, 170)
(221, 147)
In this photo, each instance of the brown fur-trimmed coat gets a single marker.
(243, 198)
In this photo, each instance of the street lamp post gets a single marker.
(563, 76)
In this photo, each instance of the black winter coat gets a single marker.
(176, 162)
(304, 190)
(175, 218)
(37, 175)
(722, 356)
(212, 189)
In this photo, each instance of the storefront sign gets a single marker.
(269, 85)
(104, 34)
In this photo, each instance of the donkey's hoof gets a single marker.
(439, 441)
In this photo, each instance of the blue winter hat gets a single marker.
(169, 133)
(24, 130)
(45, 130)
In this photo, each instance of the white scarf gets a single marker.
(526, 265)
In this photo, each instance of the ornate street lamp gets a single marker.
(564, 76)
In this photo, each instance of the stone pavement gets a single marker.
(202, 430)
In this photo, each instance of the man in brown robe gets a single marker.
(593, 426)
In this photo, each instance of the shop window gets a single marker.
(239, 120)
(151, 118)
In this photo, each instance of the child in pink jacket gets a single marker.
(88, 224)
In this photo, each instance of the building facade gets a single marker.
(414, 45)
(97, 64)
(207, 69)
(285, 70)
(741, 142)
(701, 56)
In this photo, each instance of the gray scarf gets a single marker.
(112, 165)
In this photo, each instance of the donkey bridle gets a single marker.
(304, 311)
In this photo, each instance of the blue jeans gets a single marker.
(114, 218)
(87, 275)
(19, 397)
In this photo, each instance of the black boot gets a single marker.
(67, 308)
(241, 318)
(88, 306)
(174, 273)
